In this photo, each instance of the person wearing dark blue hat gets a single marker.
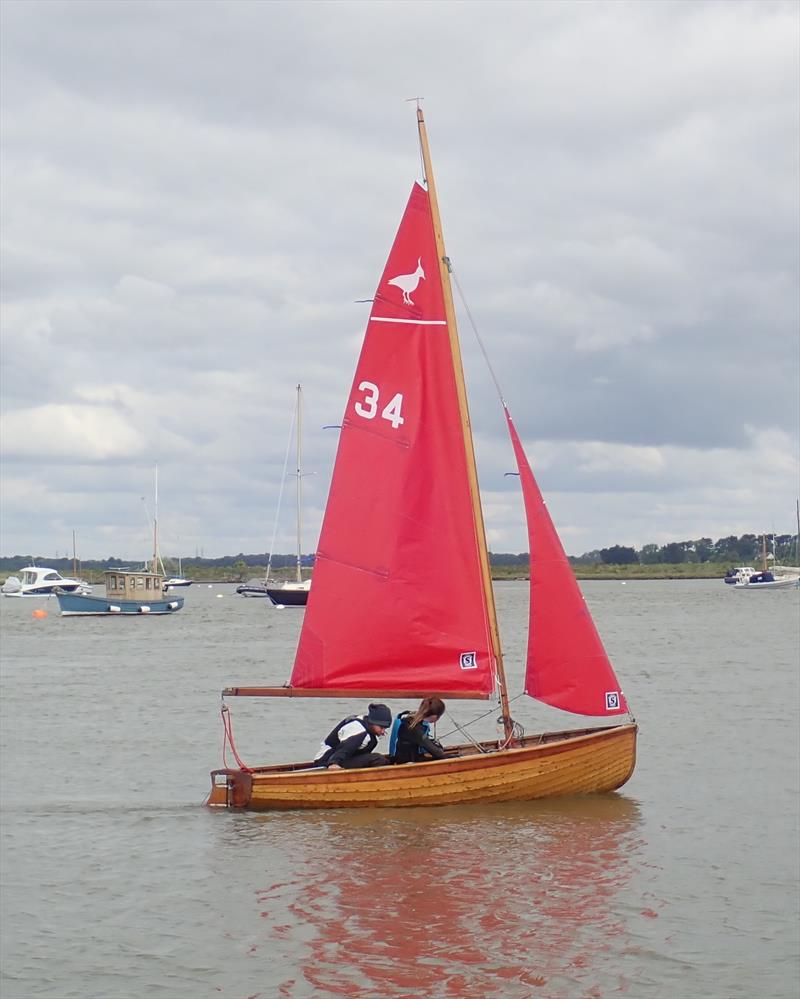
(352, 743)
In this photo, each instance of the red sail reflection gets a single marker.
(512, 901)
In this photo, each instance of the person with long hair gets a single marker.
(411, 740)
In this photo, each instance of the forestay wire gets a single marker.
(476, 333)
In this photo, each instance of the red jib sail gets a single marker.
(567, 665)
(397, 601)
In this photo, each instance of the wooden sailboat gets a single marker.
(388, 619)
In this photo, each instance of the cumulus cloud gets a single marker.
(189, 217)
(81, 433)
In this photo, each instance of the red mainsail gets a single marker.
(567, 665)
(398, 600)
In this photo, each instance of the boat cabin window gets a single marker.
(52, 575)
(112, 582)
(139, 583)
(147, 583)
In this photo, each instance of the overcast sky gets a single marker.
(195, 194)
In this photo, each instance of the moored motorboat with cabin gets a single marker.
(128, 591)
(738, 573)
(41, 580)
(139, 592)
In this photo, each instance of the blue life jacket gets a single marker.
(426, 728)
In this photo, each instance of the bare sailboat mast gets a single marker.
(155, 520)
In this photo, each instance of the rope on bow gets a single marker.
(227, 740)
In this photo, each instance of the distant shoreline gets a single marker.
(661, 570)
(683, 570)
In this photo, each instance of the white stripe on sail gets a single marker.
(410, 322)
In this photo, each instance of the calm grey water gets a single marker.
(116, 882)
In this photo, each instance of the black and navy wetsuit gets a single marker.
(413, 745)
(350, 745)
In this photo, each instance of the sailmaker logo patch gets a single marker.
(612, 700)
(469, 660)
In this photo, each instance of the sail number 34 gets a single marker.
(369, 405)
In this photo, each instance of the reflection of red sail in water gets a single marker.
(467, 905)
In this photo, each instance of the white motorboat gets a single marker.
(41, 580)
(739, 574)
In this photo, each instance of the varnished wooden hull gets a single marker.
(549, 765)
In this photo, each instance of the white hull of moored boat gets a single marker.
(778, 583)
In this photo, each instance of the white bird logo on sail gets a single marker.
(408, 282)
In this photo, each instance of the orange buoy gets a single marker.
(39, 613)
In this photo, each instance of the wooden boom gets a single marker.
(316, 692)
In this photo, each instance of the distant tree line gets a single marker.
(744, 550)
(64, 565)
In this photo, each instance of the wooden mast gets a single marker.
(472, 473)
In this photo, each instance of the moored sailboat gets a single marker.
(177, 581)
(384, 619)
(292, 592)
(770, 577)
